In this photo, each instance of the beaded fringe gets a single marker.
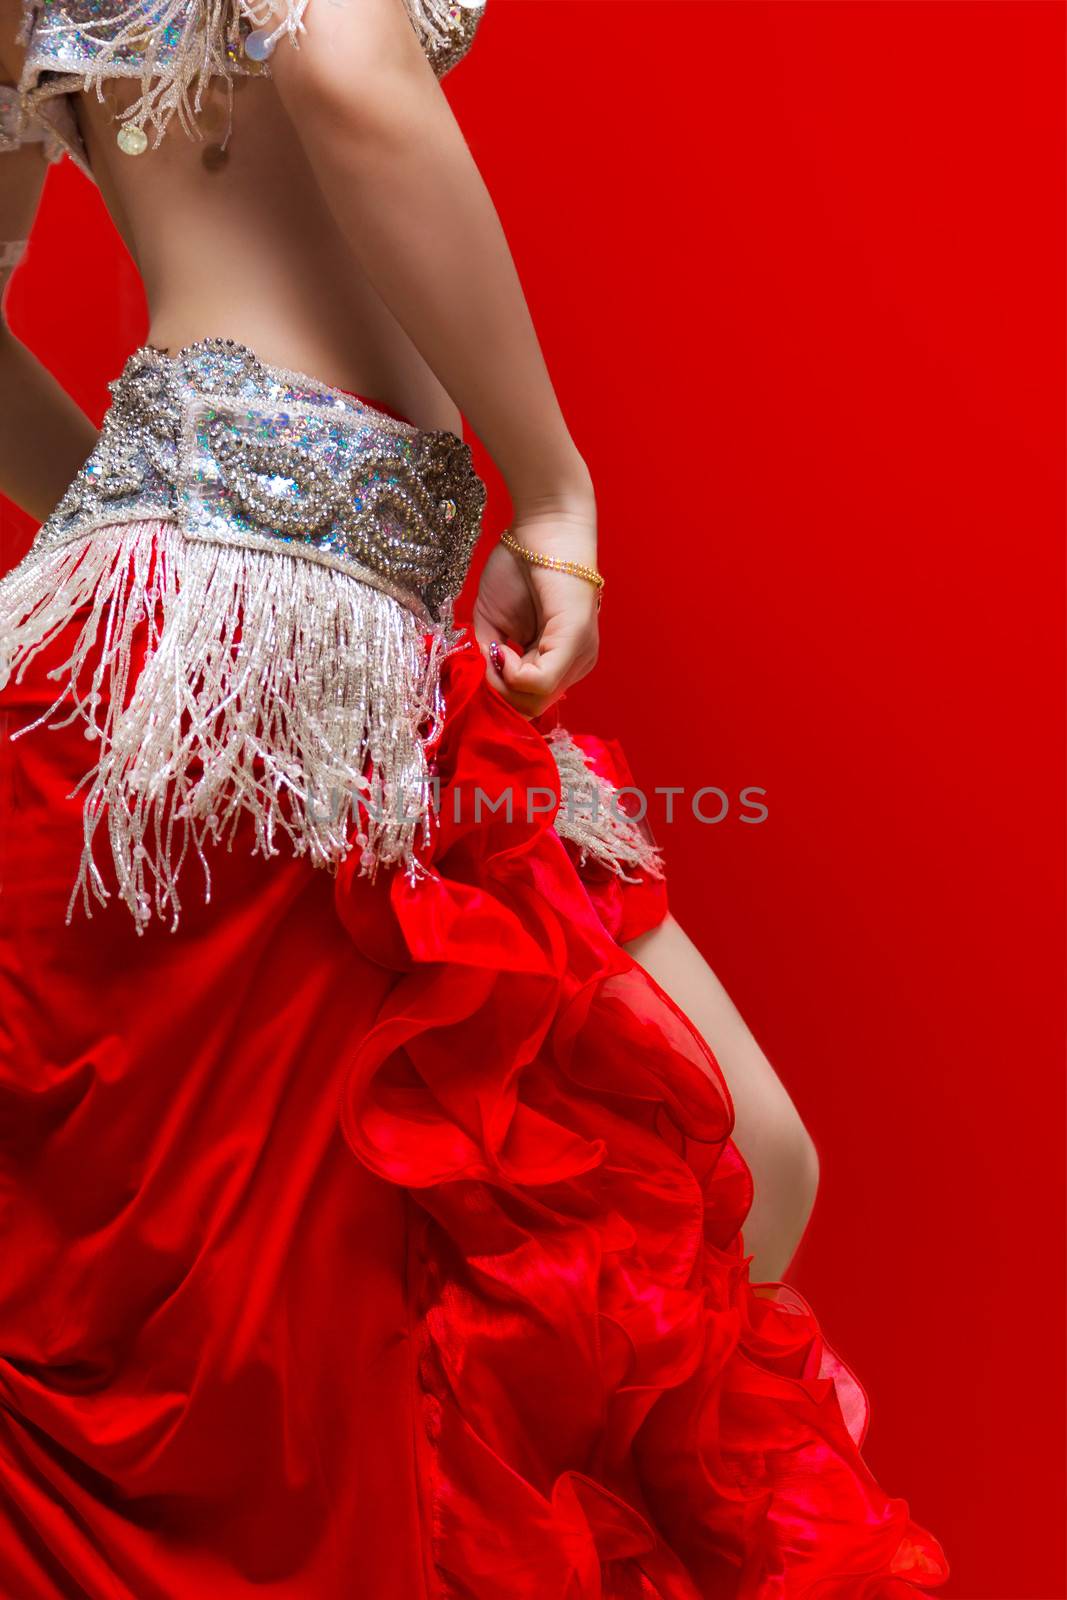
(228, 683)
(193, 41)
(591, 817)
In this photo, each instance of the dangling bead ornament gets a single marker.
(259, 45)
(132, 141)
(185, 44)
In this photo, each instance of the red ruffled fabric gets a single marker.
(610, 1409)
(509, 1353)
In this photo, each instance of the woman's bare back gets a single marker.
(245, 247)
(345, 169)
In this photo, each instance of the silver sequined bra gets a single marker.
(174, 48)
(242, 453)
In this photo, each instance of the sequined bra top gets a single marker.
(174, 48)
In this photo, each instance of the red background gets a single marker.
(798, 270)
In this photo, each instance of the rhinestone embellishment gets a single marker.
(243, 452)
(131, 140)
(259, 45)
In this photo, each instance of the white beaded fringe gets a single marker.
(227, 683)
(590, 815)
(184, 44)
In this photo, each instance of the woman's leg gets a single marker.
(768, 1129)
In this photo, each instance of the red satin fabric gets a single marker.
(384, 1240)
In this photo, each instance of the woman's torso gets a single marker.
(246, 248)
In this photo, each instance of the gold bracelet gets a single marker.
(557, 563)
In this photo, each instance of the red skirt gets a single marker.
(385, 1239)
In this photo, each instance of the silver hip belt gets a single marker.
(241, 453)
(261, 569)
(254, 576)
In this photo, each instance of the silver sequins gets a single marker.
(238, 451)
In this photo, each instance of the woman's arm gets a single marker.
(403, 186)
(398, 176)
(44, 436)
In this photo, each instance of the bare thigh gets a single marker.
(768, 1128)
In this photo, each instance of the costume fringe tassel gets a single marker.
(184, 44)
(228, 682)
(591, 816)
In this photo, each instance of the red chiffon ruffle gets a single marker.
(609, 1407)
(511, 1352)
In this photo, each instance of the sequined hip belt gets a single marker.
(242, 453)
(279, 558)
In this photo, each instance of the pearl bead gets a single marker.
(259, 45)
(132, 141)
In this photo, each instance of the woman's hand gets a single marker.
(536, 627)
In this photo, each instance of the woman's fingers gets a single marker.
(504, 665)
(536, 679)
(537, 629)
(500, 658)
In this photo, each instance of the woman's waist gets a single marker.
(239, 451)
(338, 339)
(343, 365)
